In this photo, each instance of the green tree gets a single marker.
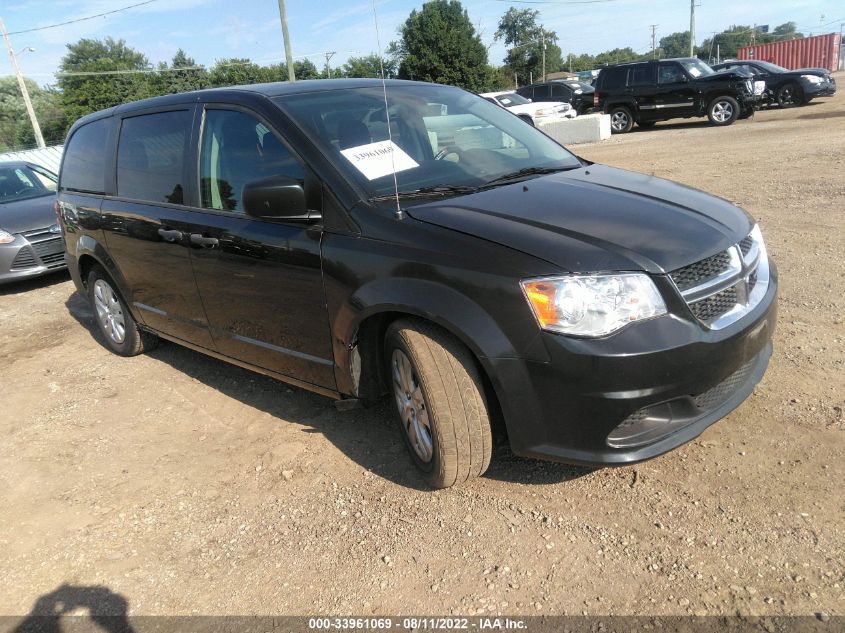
(185, 75)
(438, 43)
(520, 30)
(785, 31)
(239, 72)
(114, 83)
(369, 66)
(15, 127)
(303, 69)
(675, 45)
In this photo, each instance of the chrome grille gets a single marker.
(24, 259)
(692, 275)
(723, 287)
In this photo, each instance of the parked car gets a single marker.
(30, 239)
(460, 261)
(787, 88)
(576, 93)
(647, 92)
(529, 111)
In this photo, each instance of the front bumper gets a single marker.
(32, 254)
(568, 409)
(823, 89)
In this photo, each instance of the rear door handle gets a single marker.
(199, 240)
(170, 236)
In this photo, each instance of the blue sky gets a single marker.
(213, 29)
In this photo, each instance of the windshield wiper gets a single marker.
(522, 173)
(424, 192)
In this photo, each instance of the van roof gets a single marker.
(275, 89)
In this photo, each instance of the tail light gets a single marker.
(596, 98)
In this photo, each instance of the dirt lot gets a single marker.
(189, 486)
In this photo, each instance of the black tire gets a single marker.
(790, 95)
(111, 316)
(527, 119)
(646, 125)
(450, 399)
(723, 111)
(621, 120)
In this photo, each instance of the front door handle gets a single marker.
(170, 236)
(199, 240)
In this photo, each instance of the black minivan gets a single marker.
(359, 239)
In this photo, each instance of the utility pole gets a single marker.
(329, 55)
(288, 56)
(653, 45)
(543, 35)
(692, 28)
(753, 33)
(718, 55)
(39, 139)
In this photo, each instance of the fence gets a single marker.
(49, 157)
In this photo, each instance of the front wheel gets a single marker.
(723, 110)
(113, 319)
(790, 95)
(621, 120)
(440, 402)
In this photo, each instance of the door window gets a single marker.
(560, 91)
(237, 149)
(84, 164)
(640, 76)
(151, 156)
(670, 74)
(541, 92)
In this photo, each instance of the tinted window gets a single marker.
(612, 78)
(560, 91)
(640, 75)
(237, 149)
(150, 156)
(541, 93)
(83, 168)
(670, 74)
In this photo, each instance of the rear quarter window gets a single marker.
(84, 163)
(612, 78)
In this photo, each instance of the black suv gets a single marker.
(647, 92)
(438, 250)
(578, 94)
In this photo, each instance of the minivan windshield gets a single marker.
(441, 140)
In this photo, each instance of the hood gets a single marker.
(596, 219)
(726, 73)
(821, 72)
(534, 106)
(24, 215)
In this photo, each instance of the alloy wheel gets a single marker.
(411, 403)
(109, 311)
(619, 121)
(722, 111)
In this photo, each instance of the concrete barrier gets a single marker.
(587, 128)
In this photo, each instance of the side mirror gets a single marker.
(277, 198)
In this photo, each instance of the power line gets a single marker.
(90, 17)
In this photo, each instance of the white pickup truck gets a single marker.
(530, 111)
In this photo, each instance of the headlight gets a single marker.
(813, 79)
(592, 305)
(543, 112)
(6, 237)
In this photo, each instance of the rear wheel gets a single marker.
(790, 95)
(440, 402)
(113, 319)
(621, 120)
(723, 110)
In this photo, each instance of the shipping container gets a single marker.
(820, 51)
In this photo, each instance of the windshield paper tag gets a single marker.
(375, 160)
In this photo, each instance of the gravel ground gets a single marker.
(189, 486)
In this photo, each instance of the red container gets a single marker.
(821, 51)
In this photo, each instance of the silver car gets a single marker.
(30, 240)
